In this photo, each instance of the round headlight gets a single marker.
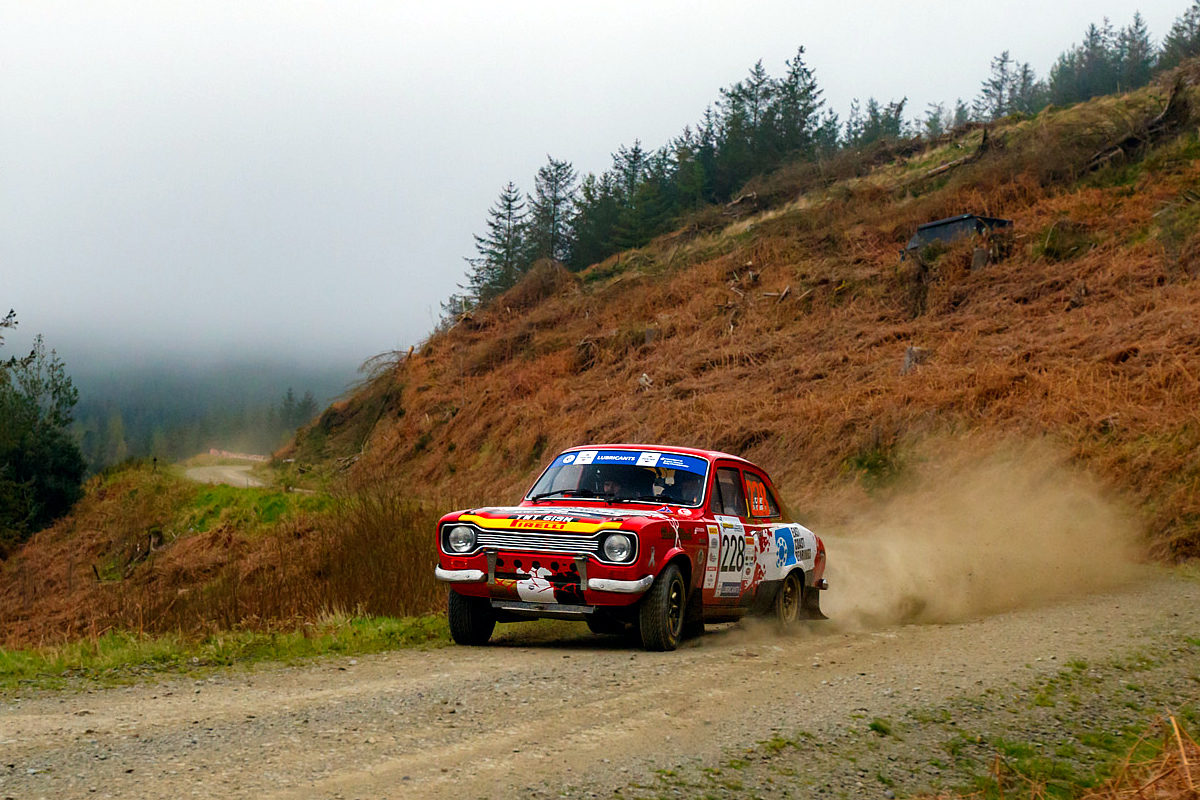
(618, 547)
(461, 538)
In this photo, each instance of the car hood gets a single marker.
(570, 519)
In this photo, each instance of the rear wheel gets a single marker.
(471, 619)
(787, 601)
(661, 615)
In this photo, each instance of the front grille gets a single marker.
(569, 545)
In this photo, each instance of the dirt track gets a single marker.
(232, 474)
(576, 714)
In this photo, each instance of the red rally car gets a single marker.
(664, 539)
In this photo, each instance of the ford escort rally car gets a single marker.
(647, 539)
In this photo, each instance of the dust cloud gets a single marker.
(969, 536)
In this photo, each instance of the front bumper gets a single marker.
(460, 575)
(620, 587)
(595, 584)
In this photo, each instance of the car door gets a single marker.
(765, 517)
(724, 582)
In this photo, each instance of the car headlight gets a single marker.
(618, 547)
(461, 538)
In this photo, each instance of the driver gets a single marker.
(612, 487)
(688, 488)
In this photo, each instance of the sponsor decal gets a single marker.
(538, 525)
(687, 463)
(536, 588)
(710, 578)
(585, 457)
(569, 458)
(785, 548)
(616, 458)
(805, 555)
(648, 459)
(729, 589)
(732, 559)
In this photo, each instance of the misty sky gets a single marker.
(303, 179)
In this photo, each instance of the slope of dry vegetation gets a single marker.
(148, 552)
(777, 334)
(780, 336)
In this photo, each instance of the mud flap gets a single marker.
(810, 603)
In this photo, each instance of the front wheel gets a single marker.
(471, 619)
(787, 601)
(661, 614)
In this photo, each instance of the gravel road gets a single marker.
(576, 714)
(232, 474)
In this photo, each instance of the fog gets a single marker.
(302, 180)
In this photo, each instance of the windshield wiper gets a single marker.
(565, 493)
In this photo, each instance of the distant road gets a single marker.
(234, 475)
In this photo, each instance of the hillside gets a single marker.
(784, 328)
(777, 328)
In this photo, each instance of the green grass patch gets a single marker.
(247, 508)
(122, 657)
(881, 726)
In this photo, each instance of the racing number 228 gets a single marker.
(733, 553)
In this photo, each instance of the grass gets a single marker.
(248, 509)
(881, 726)
(123, 657)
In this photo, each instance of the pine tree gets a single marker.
(1027, 95)
(1099, 61)
(688, 177)
(825, 136)
(502, 251)
(751, 102)
(937, 120)
(594, 231)
(995, 100)
(306, 409)
(551, 208)
(962, 114)
(1088, 69)
(1183, 40)
(1135, 55)
(796, 105)
(875, 122)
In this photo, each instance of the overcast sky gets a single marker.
(303, 179)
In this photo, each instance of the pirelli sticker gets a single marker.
(539, 524)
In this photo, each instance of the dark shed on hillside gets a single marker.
(951, 229)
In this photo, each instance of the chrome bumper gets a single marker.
(623, 587)
(460, 575)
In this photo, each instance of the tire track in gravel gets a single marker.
(582, 714)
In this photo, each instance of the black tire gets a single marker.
(661, 614)
(604, 625)
(471, 619)
(788, 601)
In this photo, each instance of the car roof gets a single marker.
(711, 455)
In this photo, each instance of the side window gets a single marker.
(761, 502)
(733, 499)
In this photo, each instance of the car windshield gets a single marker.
(633, 476)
